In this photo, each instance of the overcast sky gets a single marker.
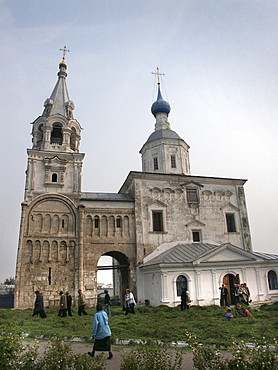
(220, 60)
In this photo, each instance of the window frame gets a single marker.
(54, 177)
(181, 281)
(192, 195)
(272, 280)
(96, 222)
(173, 161)
(199, 236)
(119, 222)
(157, 221)
(230, 222)
(155, 163)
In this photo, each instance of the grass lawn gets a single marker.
(163, 323)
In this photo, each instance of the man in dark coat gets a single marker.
(185, 299)
(39, 306)
(63, 305)
(69, 303)
(224, 296)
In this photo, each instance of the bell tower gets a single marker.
(54, 162)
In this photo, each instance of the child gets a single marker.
(245, 312)
(239, 309)
(228, 314)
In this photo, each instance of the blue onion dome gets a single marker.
(160, 105)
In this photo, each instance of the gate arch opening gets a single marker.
(119, 268)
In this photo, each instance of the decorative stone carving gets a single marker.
(48, 106)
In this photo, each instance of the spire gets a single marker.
(59, 101)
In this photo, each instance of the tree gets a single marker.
(9, 281)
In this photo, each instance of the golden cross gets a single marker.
(158, 74)
(64, 52)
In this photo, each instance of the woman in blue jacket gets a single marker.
(101, 332)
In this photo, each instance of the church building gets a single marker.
(164, 229)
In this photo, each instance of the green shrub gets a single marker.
(152, 357)
(255, 357)
(57, 355)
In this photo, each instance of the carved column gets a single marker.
(164, 288)
(259, 284)
(215, 289)
(199, 288)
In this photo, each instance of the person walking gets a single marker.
(107, 303)
(39, 306)
(69, 303)
(101, 332)
(130, 302)
(81, 303)
(63, 305)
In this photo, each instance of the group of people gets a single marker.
(101, 331)
(240, 311)
(66, 304)
(240, 293)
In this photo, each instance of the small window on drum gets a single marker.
(155, 163)
(173, 161)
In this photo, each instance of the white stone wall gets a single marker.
(204, 283)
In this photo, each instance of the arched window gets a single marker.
(119, 222)
(181, 282)
(272, 280)
(54, 177)
(73, 139)
(56, 134)
(39, 136)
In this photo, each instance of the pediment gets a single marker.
(157, 203)
(55, 161)
(195, 223)
(229, 207)
(227, 253)
(191, 183)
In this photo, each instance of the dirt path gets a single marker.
(114, 364)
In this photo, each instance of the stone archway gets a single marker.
(121, 273)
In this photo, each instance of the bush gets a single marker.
(152, 357)
(255, 357)
(57, 355)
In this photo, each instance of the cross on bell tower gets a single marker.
(64, 50)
